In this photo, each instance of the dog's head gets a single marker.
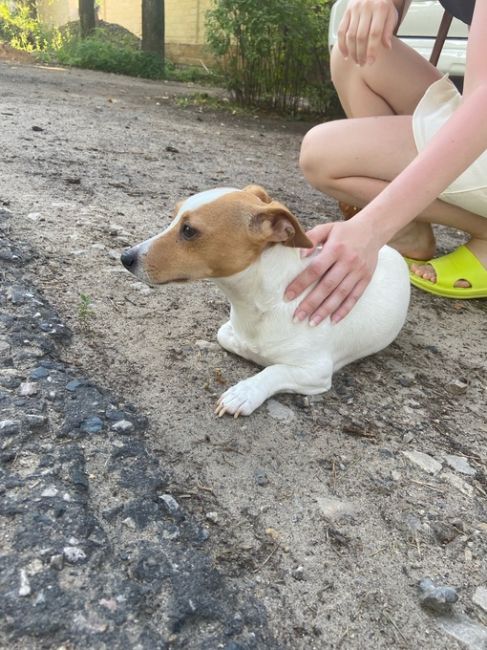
(215, 234)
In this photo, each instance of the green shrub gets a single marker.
(102, 51)
(21, 30)
(274, 53)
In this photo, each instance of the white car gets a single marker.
(419, 29)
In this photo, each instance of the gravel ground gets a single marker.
(131, 516)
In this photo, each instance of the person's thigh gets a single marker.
(393, 85)
(371, 147)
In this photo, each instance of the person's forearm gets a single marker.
(456, 146)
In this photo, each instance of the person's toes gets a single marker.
(424, 271)
(427, 272)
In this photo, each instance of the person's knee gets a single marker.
(315, 160)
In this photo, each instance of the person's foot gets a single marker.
(416, 241)
(477, 246)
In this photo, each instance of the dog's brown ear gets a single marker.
(259, 192)
(276, 224)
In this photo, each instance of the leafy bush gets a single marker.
(274, 53)
(104, 51)
(20, 29)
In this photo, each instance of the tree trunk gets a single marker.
(153, 27)
(86, 10)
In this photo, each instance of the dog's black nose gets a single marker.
(128, 258)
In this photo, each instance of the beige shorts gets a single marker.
(441, 99)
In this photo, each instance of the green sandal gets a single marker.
(461, 264)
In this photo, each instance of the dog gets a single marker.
(249, 245)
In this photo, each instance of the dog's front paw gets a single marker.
(241, 399)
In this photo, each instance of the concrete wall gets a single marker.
(57, 12)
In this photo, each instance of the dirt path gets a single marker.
(322, 505)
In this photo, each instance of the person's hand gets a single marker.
(342, 269)
(366, 26)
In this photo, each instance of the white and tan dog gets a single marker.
(249, 245)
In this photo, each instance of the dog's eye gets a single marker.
(188, 232)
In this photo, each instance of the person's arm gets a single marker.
(454, 147)
(368, 25)
(349, 254)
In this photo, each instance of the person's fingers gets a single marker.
(351, 36)
(362, 37)
(311, 274)
(389, 27)
(317, 235)
(377, 26)
(342, 33)
(330, 280)
(348, 304)
(336, 298)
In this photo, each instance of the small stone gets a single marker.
(114, 414)
(458, 483)
(110, 604)
(273, 534)
(28, 389)
(408, 438)
(129, 522)
(50, 491)
(39, 373)
(457, 386)
(74, 554)
(18, 296)
(438, 599)
(142, 288)
(407, 380)
(212, 517)
(480, 597)
(279, 411)
(74, 384)
(36, 566)
(24, 589)
(93, 424)
(170, 502)
(334, 509)
(206, 345)
(35, 422)
(34, 216)
(298, 573)
(261, 477)
(460, 464)
(57, 562)
(423, 461)
(9, 427)
(116, 229)
(123, 426)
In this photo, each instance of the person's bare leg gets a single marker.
(355, 176)
(392, 86)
